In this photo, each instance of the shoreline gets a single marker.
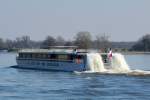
(122, 52)
(135, 52)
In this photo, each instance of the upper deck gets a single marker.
(50, 54)
(66, 54)
(59, 51)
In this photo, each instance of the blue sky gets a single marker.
(122, 20)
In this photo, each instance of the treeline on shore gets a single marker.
(83, 40)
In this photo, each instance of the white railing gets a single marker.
(61, 50)
(47, 50)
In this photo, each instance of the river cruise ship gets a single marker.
(54, 59)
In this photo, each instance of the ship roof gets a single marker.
(59, 51)
(50, 51)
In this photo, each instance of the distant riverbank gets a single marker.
(123, 52)
(135, 52)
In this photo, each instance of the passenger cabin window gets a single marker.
(79, 59)
(20, 55)
(33, 55)
(63, 57)
(42, 56)
(71, 57)
(53, 56)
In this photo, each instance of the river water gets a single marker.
(21, 84)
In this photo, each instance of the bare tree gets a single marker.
(1, 43)
(143, 44)
(22, 42)
(26, 41)
(102, 41)
(60, 41)
(69, 43)
(83, 40)
(49, 41)
(9, 44)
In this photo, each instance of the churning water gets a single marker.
(118, 65)
(20, 84)
(95, 63)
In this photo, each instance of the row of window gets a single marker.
(50, 56)
(39, 63)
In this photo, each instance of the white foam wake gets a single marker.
(118, 65)
(138, 73)
(95, 63)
